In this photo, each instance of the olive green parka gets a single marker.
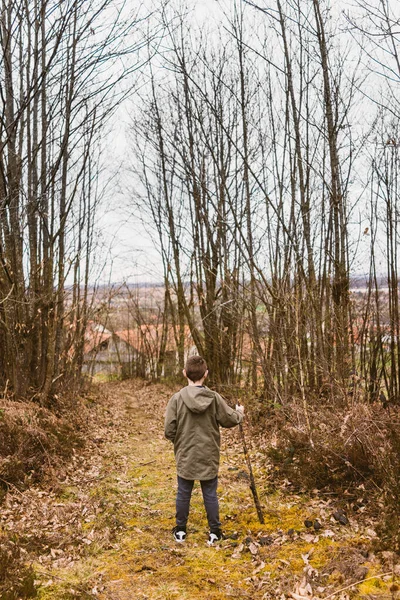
(192, 421)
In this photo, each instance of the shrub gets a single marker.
(16, 579)
(33, 440)
(343, 447)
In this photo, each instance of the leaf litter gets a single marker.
(102, 529)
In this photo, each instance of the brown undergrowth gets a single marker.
(36, 438)
(104, 529)
(350, 450)
(36, 443)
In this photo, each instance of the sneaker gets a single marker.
(214, 536)
(179, 534)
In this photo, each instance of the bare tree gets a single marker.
(60, 81)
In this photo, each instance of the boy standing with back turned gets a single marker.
(192, 421)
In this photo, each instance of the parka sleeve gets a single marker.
(170, 420)
(227, 416)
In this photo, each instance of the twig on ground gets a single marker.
(144, 464)
(379, 576)
(80, 588)
(11, 485)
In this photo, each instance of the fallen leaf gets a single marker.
(253, 548)
(284, 562)
(307, 537)
(259, 568)
(328, 533)
(370, 532)
(238, 551)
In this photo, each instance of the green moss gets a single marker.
(104, 378)
(138, 505)
(68, 493)
(374, 586)
(322, 552)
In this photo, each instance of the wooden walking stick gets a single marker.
(251, 474)
(252, 480)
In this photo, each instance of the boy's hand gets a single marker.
(240, 408)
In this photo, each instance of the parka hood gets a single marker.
(197, 399)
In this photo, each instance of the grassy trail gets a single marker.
(126, 551)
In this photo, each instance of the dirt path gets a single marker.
(105, 531)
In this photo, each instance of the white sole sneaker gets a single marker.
(213, 538)
(179, 536)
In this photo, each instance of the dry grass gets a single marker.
(36, 443)
(109, 521)
(34, 440)
(352, 453)
(135, 492)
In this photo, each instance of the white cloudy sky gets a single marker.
(126, 251)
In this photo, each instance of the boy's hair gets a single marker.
(195, 368)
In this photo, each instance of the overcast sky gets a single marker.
(125, 247)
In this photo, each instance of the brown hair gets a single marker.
(195, 368)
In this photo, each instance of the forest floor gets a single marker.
(104, 530)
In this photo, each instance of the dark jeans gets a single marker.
(209, 490)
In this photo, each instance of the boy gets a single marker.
(192, 422)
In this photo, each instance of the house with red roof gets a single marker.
(133, 352)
